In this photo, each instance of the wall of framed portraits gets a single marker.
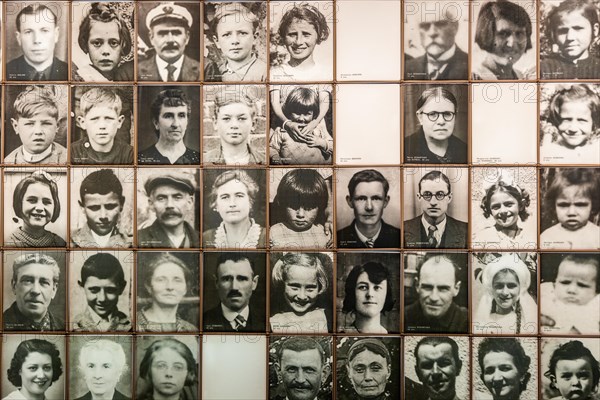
(285, 200)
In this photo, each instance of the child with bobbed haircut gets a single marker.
(561, 373)
(36, 105)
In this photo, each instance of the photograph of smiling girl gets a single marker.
(34, 367)
(100, 368)
(234, 124)
(102, 41)
(569, 123)
(435, 124)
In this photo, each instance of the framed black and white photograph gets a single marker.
(436, 292)
(301, 41)
(504, 293)
(288, 354)
(35, 124)
(172, 133)
(34, 291)
(300, 212)
(570, 293)
(569, 39)
(102, 41)
(167, 359)
(102, 125)
(168, 292)
(377, 42)
(101, 291)
(38, 51)
(435, 124)
(570, 208)
(234, 291)
(436, 40)
(504, 123)
(570, 123)
(234, 209)
(168, 215)
(234, 125)
(36, 207)
(31, 359)
(503, 39)
(301, 293)
(368, 367)
(449, 355)
(504, 367)
(504, 208)
(168, 43)
(368, 207)
(100, 367)
(436, 207)
(102, 207)
(368, 293)
(235, 41)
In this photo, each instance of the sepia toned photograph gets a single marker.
(293, 59)
(34, 291)
(100, 368)
(172, 133)
(504, 40)
(234, 125)
(368, 368)
(167, 208)
(366, 199)
(102, 41)
(436, 292)
(101, 291)
(504, 293)
(235, 290)
(435, 124)
(569, 208)
(570, 293)
(436, 40)
(35, 124)
(168, 295)
(234, 209)
(436, 208)
(300, 208)
(235, 41)
(301, 293)
(504, 208)
(301, 125)
(368, 293)
(102, 125)
(570, 123)
(168, 42)
(38, 51)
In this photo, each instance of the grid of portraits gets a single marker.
(300, 200)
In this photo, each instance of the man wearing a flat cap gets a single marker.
(171, 197)
(169, 32)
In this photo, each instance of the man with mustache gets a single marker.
(169, 32)
(434, 228)
(443, 60)
(171, 198)
(34, 283)
(236, 281)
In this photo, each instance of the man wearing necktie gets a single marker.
(169, 32)
(434, 228)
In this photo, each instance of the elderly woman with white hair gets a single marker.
(506, 307)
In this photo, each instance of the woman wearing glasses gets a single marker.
(434, 142)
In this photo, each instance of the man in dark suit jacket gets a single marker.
(368, 197)
(442, 59)
(235, 280)
(434, 228)
(169, 32)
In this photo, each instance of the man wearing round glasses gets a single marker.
(434, 228)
